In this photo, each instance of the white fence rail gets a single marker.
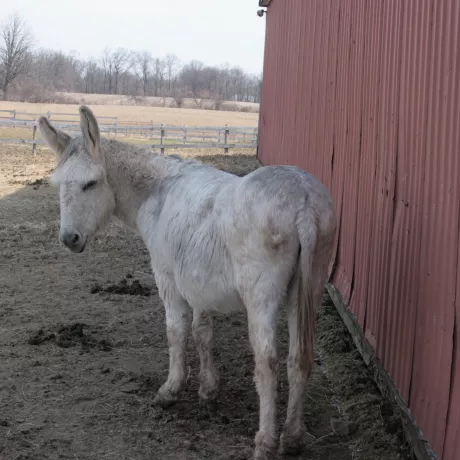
(24, 116)
(158, 136)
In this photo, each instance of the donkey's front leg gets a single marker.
(203, 336)
(177, 329)
(262, 334)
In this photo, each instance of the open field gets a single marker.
(165, 115)
(83, 350)
(187, 103)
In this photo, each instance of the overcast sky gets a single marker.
(213, 31)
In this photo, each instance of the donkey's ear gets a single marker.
(57, 140)
(90, 131)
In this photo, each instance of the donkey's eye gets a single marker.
(89, 185)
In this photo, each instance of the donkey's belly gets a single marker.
(205, 281)
(211, 294)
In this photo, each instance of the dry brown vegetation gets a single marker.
(83, 350)
(170, 116)
(151, 101)
(125, 114)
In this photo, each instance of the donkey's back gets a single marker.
(213, 231)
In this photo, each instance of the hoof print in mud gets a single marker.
(343, 428)
(70, 336)
(39, 337)
(124, 287)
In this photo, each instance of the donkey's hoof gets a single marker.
(165, 400)
(291, 444)
(265, 448)
(207, 394)
(210, 404)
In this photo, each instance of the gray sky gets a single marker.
(212, 31)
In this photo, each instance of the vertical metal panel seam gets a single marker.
(335, 256)
(377, 122)
(396, 165)
(366, 4)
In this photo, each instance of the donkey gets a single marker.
(218, 243)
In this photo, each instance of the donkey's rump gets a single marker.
(262, 212)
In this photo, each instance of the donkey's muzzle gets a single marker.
(73, 241)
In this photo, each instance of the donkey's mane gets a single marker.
(110, 147)
(70, 151)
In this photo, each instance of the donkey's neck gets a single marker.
(132, 172)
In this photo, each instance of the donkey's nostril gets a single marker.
(71, 239)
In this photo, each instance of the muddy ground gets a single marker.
(83, 351)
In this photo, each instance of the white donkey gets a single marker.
(217, 242)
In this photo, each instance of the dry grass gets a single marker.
(187, 103)
(18, 167)
(188, 117)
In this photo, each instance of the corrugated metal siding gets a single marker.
(435, 322)
(404, 284)
(365, 94)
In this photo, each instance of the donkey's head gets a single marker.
(87, 201)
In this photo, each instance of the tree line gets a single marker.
(30, 75)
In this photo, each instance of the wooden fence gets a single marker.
(158, 136)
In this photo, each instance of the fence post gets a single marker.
(162, 136)
(49, 115)
(227, 132)
(14, 118)
(185, 134)
(34, 145)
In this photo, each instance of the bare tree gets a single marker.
(142, 67)
(172, 65)
(90, 75)
(107, 65)
(14, 51)
(237, 83)
(39, 74)
(115, 65)
(121, 62)
(159, 67)
(192, 77)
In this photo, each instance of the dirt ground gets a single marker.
(83, 351)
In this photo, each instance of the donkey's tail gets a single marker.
(306, 309)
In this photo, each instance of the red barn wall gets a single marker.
(365, 94)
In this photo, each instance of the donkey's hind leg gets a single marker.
(298, 373)
(262, 307)
(177, 313)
